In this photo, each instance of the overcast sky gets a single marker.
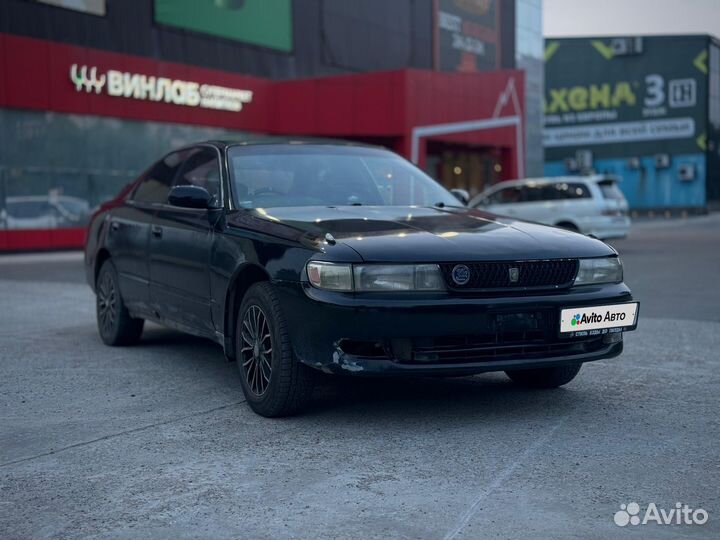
(630, 17)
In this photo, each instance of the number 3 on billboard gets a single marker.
(655, 90)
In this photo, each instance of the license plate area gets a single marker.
(598, 320)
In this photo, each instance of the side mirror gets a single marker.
(190, 197)
(461, 195)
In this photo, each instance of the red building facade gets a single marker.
(440, 120)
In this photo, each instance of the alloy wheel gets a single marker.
(256, 351)
(107, 303)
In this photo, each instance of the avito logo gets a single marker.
(682, 514)
(586, 318)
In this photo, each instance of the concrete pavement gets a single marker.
(155, 441)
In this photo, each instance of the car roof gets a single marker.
(593, 178)
(269, 141)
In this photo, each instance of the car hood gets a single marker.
(404, 233)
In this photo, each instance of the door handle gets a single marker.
(114, 226)
(156, 231)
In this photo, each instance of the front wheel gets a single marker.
(275, 383)
(545, 377)
(115, 325)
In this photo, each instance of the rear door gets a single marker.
(181, 240)
(567, 202)
(578, 204)
(129, 234)
(538, 203)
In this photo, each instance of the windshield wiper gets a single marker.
(439, 204)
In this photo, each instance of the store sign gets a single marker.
(604, 97)
(619, 132)
(467, 37)
(159, 89)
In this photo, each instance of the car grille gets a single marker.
(523, 335)
(500, 347)
(496, 276)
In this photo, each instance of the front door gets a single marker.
(181, 240)
(129, 233)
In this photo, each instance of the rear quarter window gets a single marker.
(610, 190)
(577, 191)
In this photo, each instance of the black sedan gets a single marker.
(299, 257)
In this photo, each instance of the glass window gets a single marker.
(322, 175)
(28, 207)
(568, 190)
(506, 196)
(536, 193)
(155, 185)
(610, 190)
(201, 168)
(577, 191)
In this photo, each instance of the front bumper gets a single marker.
(440, 333)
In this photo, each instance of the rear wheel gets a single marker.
(545, 377)
(275, 383)
(115, 325)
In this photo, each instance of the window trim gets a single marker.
(218, 160)
(163, 205)
(143, 176)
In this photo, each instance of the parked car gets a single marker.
(45, 212)
(591, 205)
(300, 257)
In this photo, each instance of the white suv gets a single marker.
(587, 204)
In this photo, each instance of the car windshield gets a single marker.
(267, 176)
(29, 209)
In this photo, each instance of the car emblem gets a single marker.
(514, 275)
(460, 274)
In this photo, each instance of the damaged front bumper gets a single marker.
(440, 333)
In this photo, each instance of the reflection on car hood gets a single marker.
(429, 234)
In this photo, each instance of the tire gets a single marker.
(545, 377)
(115, 325)
(262, 344)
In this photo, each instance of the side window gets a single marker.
(495, 198)
(573, 190)
(536, 193)
(578, 191)
(556, 192)
(155, 186)
(506, 196)
(201, 168)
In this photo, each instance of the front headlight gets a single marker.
(605, 270)
(375, 277)
(335, 277)
(398, 277)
